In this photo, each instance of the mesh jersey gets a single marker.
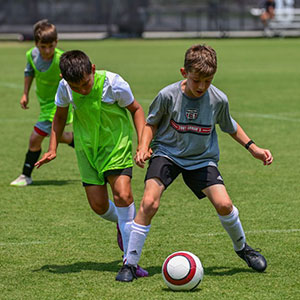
(46, 84)
(41, 64)
(186, 130)
(102, 129)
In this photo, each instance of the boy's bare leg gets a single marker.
(67, 138)
(229, 217)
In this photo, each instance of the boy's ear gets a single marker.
(183, 72)
(93, 68)
(60, 75)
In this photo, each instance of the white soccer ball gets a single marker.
(182, 270)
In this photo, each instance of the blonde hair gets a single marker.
(44, 32)
(201, 59)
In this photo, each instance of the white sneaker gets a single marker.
(22, 180)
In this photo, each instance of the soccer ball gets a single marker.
(182, 270)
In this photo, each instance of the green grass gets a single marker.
(52, 246)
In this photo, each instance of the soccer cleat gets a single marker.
(22, 180)
(140, 272)
(253, 258)
(119, 238)
(127, 273)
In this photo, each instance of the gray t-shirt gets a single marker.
(41, 65)
(186, 131)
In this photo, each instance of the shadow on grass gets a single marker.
(196, 290)
(225, 271)
(113, 266)
(53, 182)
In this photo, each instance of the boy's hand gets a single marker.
(262, 154)
(141, 156)
(24, 101)
(47, 157)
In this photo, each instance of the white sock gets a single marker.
(125, 218)
(233, 226)
(136, 242)
(111, 213)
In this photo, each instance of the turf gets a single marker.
(52, 246)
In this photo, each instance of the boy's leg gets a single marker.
(97, 196)
(140, 228)
(160, 174)
(229, 217)
(31, 158)
(208, 182)
(67, 138)
(228, 214)
(125, 208)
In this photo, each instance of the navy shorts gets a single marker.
(126, 171)
(166, 171)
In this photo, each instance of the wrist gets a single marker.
(249, 144)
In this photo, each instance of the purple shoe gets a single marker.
(140, 272)
(119, 238)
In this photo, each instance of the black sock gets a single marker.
(72, 143)
(30, 159)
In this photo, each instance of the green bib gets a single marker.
(102, 133)
(46, 86)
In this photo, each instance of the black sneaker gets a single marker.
(127, 273)
(253, 258)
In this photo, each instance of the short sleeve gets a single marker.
(29, 71)
(156, 110)
(63, 95)
(121, 91)
(225, 121)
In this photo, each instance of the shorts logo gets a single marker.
(191, 128)
(191, 114)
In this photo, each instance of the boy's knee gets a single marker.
(149, 205)
(123, 198)
(225, 208)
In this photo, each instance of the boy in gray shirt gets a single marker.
(181, 126)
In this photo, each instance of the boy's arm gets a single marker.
(263, 154)
(145, 152)
(58, 125)
(25, 97)
(138, 117)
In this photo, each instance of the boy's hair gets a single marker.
(74, 65)
(44, 32)
(201, 59)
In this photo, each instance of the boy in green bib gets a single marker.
(43, 65)
(103, 137)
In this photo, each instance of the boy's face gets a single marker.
(46, 49)
(85, 86)
(195, 85)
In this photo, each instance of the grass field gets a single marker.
(52, 246)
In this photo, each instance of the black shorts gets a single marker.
(126, 171)
(166, 171)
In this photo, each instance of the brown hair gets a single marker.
(44, 32)
(201, 59)
(74, 65)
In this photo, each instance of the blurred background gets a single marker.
(93, 19)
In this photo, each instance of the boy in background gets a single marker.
(103, 137)
(181, 122)
(43, 65)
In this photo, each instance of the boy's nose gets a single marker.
(201, 85)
